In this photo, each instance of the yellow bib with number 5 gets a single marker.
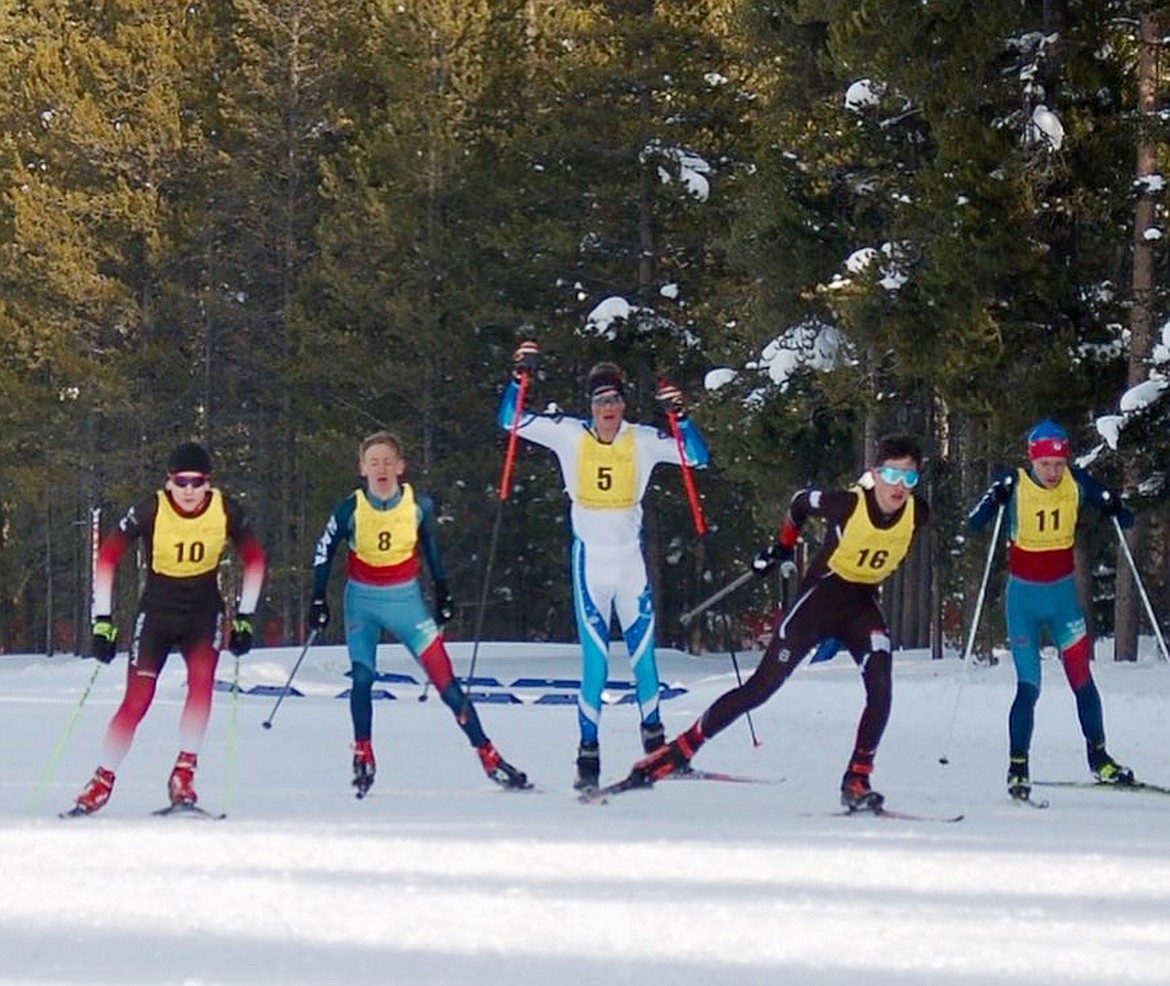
(607, 474)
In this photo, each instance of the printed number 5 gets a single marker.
(604, 477)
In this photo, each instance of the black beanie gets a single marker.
(604, 377)
(190, 457)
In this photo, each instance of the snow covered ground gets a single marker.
(439, 877)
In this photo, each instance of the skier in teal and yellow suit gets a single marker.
(388, 526)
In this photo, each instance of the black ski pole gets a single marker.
(716, 597)
(504, 492)
(267, 723)
(728, 639)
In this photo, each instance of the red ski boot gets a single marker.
(363, 766)
(181, 785)
(96, 793)
(499, 770)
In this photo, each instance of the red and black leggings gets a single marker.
(198, 639)
(830, 607)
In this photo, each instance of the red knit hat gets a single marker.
(1048, 440)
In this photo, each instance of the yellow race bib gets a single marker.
(607, 474)
(385, 537)
(182, 546)
(1046, 520)
(867, 553)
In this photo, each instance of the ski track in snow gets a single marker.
(440, 877)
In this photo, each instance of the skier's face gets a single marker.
(188, 490)
(1049, 470)
(891, 495)
(608, 407)
(381, 467)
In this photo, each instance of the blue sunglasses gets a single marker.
(907, 477)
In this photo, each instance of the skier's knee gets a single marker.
(363, 677)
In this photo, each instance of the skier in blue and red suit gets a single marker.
(388, 526)
(185, 529)
(1042, 503)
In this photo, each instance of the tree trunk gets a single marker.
(1126, 614)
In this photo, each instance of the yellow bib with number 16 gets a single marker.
(867, 553)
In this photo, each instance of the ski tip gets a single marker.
(75, 812)
(188, 811)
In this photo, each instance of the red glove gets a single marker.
(671, 398)
(525, 358)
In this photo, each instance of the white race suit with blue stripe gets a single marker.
(605, 483)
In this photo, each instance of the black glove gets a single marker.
(525, 359)
(1001, 490)
(775, 554)
(1111, 506)
(104, 639)
(671, 398)
(444, 604)
(240, 638)
(319, 614)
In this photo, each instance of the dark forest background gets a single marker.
(274, 226)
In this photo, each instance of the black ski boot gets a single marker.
(653, 736)
(588, 767)
(1107, 770)
(857, 795)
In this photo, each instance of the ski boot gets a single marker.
(653, 737)
(1019, 786)
(363, 767)
(671, 758)
(498, 769)
(1107, 770)
(588, 767)
(856, 794)
(180, 786)
(96, 794)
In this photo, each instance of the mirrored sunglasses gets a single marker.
(907, 477)
(608, 400)
(190, 480)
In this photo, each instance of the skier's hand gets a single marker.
(240, 638)
(671, 398)
(319, 613)
(775, 554)
(1111, 506)
(525, 359)
(1001, 490)
(444, 604)
(104, 639)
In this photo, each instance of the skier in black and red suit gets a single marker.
(185, 529)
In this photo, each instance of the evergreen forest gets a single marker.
(275, 226)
